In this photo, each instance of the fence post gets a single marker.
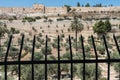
(71, 56)
(19, 57)
(108, 55)
(83, 50)
(59, 73)
(96, 56)
(46, 48)
(117, 46)
(8, 48)
(33, 49)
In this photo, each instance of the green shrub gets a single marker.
(43, 50)
(60, 19)
(103, 79)
(38, 17)
(38, 56)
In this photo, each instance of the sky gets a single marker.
(29, 3)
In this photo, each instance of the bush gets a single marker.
(27, 48)
(35, 30)
(29, 19)
(62, 30)
(50, 20)
(38, 17)
(14, 17)
(66, 56)
(103, 79)
(54, 45)
(67, 47)
(13, 49)
(12, 30)
(10, 19)
(48, 39)
(60, 19)
(2, 54)
(40, 35)
(78, 56)
(37, 45)
(89, 71)
(13, 52)
(56, 31)
(23, 20)
(21, 34)
(49, 49)
(87, 48)
(89, 40)
(38, 56)
(24, 54)
(43, 31)
(101, 49)
(51, 57)
(68, 29)
(88, 55)
(62, 35)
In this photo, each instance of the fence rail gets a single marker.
(32, 62)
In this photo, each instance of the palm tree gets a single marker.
(76, 26)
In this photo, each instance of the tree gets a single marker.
(107, 25)
(68, 8)
(99, 27)
(76, 26)
(102, 27)
(78, 4)
(87, 5)
(98, 5)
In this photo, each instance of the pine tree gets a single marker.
(78, 4)
(87, 5)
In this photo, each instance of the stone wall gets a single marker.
(40, 8)
(96, 9)
(5, 10)
(55, 10)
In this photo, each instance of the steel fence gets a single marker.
(32, 62)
